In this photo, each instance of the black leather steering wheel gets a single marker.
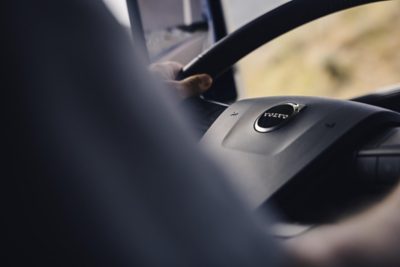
(284, 18)
(306, 155)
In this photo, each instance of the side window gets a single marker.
(343, 55)
(238, 12)
(180, 31)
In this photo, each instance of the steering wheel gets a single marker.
(314, 158)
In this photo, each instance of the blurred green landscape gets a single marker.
(343, 55)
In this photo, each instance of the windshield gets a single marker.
(344, 55)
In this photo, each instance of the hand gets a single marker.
(191, 86)
(369, 239)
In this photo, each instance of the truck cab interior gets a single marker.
(102, 169)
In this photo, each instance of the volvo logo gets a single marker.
(276, 116)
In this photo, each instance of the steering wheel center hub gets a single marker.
(276, 117)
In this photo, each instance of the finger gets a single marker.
(197, 84)
(192, 86)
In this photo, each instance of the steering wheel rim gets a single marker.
(220, 57)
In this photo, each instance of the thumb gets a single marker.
(193, 85)
(196, 84)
